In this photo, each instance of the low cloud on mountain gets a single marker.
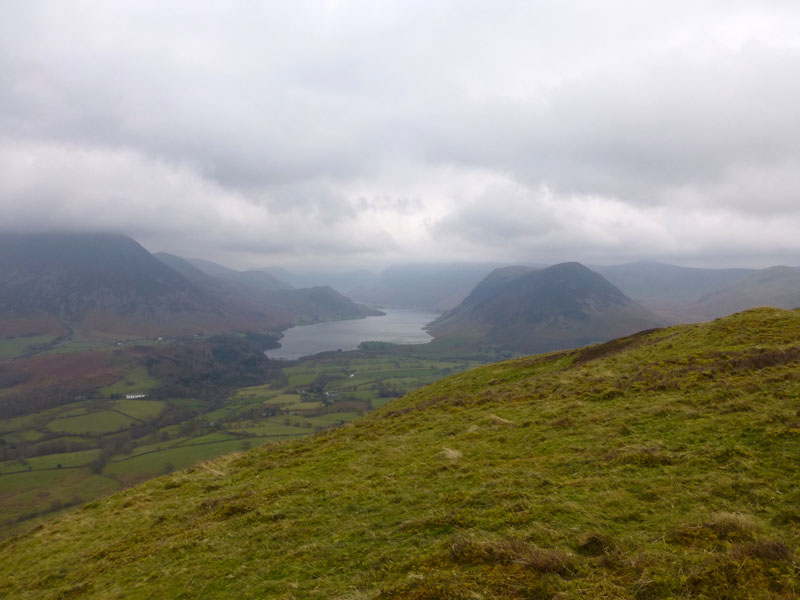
(358, 132)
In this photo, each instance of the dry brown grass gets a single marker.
(510, 551)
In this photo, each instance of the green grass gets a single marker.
(74, 412)
(283, 399)
(105, 421)
(329, 419)
(304, 406)
(26, 435)
(52, 461)
(180, 457)
(19, 423)
(244, 407)
(39, 492)
(140, 409)
(135, 381)
(219, 436)
(13, 347)
(659, 466)
(72, 346)
(273, 428)
(258, 391)
(184, 402)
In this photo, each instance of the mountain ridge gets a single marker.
(530, 310)
(104, 285)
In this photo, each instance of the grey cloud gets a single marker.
(287, 128)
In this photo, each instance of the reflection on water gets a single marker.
(398, 326)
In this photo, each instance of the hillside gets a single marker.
(255, 280)
(776, 286)
(662, 465)
(105, 284)
(258, 290)
(528, 310)
(653, 279)
(672, 292)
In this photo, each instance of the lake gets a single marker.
(398, 326)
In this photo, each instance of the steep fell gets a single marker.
(107, 284)
(260, 290)
(527, 310)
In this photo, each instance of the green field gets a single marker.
(18, 346)
(257, 392)
(269, 428)
(315, 394)
(104, 421)
(65, 460)
(164, 461)
(662, 466)
(140, 409)
(135, 381)
(72, 346)
(329, 419)
(282, 399)
(304, 406)
(31, 493)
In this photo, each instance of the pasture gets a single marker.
(80, 450)
(135, 381)
(19, 346)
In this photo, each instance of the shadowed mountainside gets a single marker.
(107, 285)
(259, 289)
(776, 286)
(529, 310)
(682, 294)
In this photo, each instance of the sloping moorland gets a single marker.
(662, 465)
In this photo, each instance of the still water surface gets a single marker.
(398, 326)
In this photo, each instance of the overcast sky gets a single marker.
(361, 133)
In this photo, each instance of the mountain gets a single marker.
(529, 310)
(653, 279)
(775, 286)
(107, 284)
(434, 287)
(259, 289)
(668, 290)
(341, 281)
(662, 465)
(682, 294)
(255, 280)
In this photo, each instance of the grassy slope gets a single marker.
(660, 466)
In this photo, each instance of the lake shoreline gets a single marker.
(396, 325)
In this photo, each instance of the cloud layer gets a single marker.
(350, 133)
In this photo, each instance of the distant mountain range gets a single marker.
(259, 289)
(775, 286)
(108, 285)
(432, 286)
(684, 294)
(529, 310)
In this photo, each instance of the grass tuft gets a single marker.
(469, 550)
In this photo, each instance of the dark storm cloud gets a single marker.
(270, 131)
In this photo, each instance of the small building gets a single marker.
(137, 396)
